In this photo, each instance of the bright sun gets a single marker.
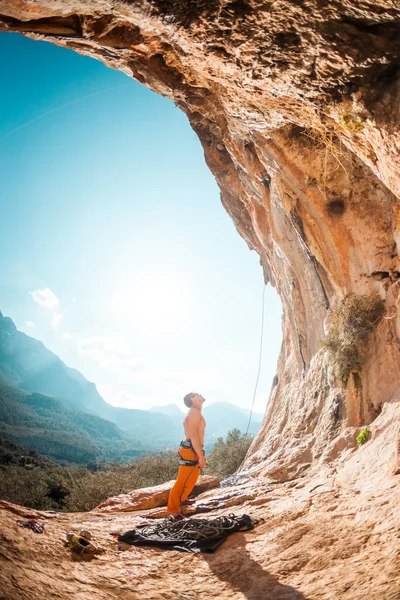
(154, 299)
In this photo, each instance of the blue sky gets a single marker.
(115, 250)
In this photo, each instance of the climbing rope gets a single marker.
(259, 360)
(196, 529)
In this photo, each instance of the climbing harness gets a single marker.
(188, 463)
(188, 535)
(187, 444)
(184, 462)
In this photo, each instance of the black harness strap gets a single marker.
(188, 463)
(182, 461)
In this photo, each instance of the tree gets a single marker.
(227, 455)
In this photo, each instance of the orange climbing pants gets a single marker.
(185, 482)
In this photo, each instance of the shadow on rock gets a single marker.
(245, 575)
(75, 557)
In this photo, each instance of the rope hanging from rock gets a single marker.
(259, 360)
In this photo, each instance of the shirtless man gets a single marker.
(191, 455)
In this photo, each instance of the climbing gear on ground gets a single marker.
(239, 479)
(80, 544)
(32, 524)
(85, 534)
(188, 535)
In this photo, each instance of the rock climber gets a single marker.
(191, 456)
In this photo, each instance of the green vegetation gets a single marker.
(28, 479)
(12, 454)
(352, 122)
(351, 326)
(53, 487)
(363, 436)
(44, 424)
(87, 490)
(227, 455)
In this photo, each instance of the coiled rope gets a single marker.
(196, 529)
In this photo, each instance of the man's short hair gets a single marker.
(188, 399)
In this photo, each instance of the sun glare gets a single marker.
(155, 300)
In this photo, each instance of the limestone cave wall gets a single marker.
(296, 104)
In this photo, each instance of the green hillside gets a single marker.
(44, 424)
(27, 364)
(13, 454)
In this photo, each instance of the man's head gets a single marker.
(193, 400)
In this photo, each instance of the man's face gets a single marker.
(197, 401)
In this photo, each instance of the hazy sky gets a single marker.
(115, 250)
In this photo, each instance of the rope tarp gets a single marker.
(190, 535)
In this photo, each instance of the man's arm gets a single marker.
(193, 431)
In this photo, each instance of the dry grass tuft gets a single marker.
(329, 144)
(352, 324)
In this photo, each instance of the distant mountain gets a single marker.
(52, 390)
(221, 417)
(46, 425)
(169, 409)
(27, 364)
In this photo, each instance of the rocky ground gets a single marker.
(333, 533)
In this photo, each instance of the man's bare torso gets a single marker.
(192, 421)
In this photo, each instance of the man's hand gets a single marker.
(202, 462)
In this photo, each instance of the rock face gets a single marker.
(296, 105)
